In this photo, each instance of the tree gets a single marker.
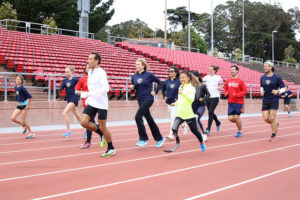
(289, 53)
(180, 16)
(7, 12)
(52, 28)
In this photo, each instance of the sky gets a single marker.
(151, 11)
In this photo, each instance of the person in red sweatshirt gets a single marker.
(236, 89)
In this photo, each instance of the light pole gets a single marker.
(273, 45)
(189, 27)
(212, 28)
(243, 58)
(165, 35)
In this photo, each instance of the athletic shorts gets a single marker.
(287, 102)
(72, 101)
(91, 112)
(21, 107)
(234, 108)
(270, 106)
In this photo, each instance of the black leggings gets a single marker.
(211, 106)
(192, 125)
(144, 111)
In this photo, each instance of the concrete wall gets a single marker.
(49, 113)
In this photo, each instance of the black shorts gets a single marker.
(21, 107)
(270, 106)
(75, 102)
(287, 102)
(91, 112)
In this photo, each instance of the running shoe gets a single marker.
(109, 152)
(219, 127)
(67, 134)
(30, 136)
(289, 115)
(273, 138)
(85, 135)
(184, 129)
(171, 136)
(103, 142)
(207, 131)
(85, 145)
(239, 134)
(203, 147)
(141, 143)
(24, 129)
(160, 142)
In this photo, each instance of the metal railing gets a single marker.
(32, 27)
(252, 88)
(52, 79)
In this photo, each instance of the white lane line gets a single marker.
(71, 139)
(243, 182)
(134, 128)
(66, 146)
(134, 160)
(164, 173)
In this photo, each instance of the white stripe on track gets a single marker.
(138, 159)
(165, 173)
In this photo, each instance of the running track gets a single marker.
(251, 167)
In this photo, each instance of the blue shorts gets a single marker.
(234, 108)
(287, 102)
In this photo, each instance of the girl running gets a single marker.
(142, 82)
(287, 100)
(23, 104)
(82, 85)
(271, 86)
(186, 96)
(169, 91)
(202, 95)
(214, 84)
(72, 99)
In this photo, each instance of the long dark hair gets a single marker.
(194, 80)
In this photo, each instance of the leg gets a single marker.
(238, 122)
(273, 121)
(193, 127)
(287, 108)
(231, 118)
(14, 116)
(265, 115)
(104, 130)
(173, 110)
(24, 121)
(177, 122)
(68, 108)
(153, 126)
(200, 113)
(215, 102)
(144, 107)
(210, 115)
(76, 113)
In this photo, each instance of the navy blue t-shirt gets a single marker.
(69, 85)
(273, 82)
(170, 90)
(286, 95)
(22, 93)
(143, 85)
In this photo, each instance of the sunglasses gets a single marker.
(171, 71)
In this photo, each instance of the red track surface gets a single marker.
(251, 167)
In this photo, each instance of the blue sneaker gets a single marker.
(160, 142)
(219, 127)
(239, 134)
(203, 147)
(67, 134)
(207, 131)
(141, 143)
(85, 135)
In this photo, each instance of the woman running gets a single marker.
(23, 104)
(202, 95)
(214, 84)
(287, 100)
(169, 91)
(82, 86)
(271, 86)
(186, 96)
(142, 82)
(72, 99)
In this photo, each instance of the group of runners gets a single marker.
(185, 93)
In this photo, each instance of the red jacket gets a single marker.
(236, 89)
(82, 85)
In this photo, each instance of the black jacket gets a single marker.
(201, 92)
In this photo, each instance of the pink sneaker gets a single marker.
(85, 145)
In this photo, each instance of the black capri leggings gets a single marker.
(211, 106)
(192, 125)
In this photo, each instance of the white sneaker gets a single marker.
(171, 136)
(184, 129)
(109, 152)
(204, 136)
